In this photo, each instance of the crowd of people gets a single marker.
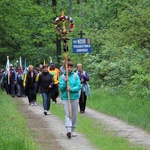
(12, 82)
(48, 81)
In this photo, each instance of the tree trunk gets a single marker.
(70, 2)
(58, 40)
(78, 1)
(58, 53)
(38, 2)
(54, 3)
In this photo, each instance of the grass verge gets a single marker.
(98, 135)
(133, 110)
(14, 134)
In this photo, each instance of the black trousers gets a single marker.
(82, 101)
(55, 92)
(11, 88)
(31, 95)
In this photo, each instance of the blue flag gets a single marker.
(25, 66)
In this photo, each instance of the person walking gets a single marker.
(62, 68)
(84, 77)
(73, 87)
(20, 89)
(29, 84)
(13, 80)
(55, 72)
(4, 82)
(45, 82)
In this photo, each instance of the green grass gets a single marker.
(133, 110)
(14, 134)
(97, 134)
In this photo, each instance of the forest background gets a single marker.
(119, 31)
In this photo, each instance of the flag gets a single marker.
(25, 66)
(8, 69)
(21, 65)
(44, 62)
(7, 65)
(50, 58)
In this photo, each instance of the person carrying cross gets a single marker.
(73, 87)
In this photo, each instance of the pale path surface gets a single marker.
(133, 134)
(57, 127)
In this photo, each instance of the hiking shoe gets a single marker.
(35, 103)
(48, 112)
(45, 112)
(74, 134)
(32, 104)
(69, 135)
(81, 112)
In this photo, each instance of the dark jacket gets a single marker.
(85, 77)
(19, 79)
(30, 81)
(13, 75)
(44, 81)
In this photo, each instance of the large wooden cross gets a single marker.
(65, 46)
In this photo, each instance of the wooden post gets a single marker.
(82, 92)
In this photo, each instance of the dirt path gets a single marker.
(49, 131)
(132, 133)
(52, 133)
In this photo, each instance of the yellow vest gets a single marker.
(55, 74)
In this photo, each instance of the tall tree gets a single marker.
(58, 40)
(54, 3)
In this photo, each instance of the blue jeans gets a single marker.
(46, 100)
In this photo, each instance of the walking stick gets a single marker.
(82, 83)
(64, 31)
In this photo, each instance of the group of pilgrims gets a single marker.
(51, 82)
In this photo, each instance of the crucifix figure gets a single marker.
(64, 24)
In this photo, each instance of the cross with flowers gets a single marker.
(63, 31)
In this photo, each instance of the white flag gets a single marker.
(21, 65)
(7, 65)
(8, 69)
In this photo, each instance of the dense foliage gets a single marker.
(119, 29)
